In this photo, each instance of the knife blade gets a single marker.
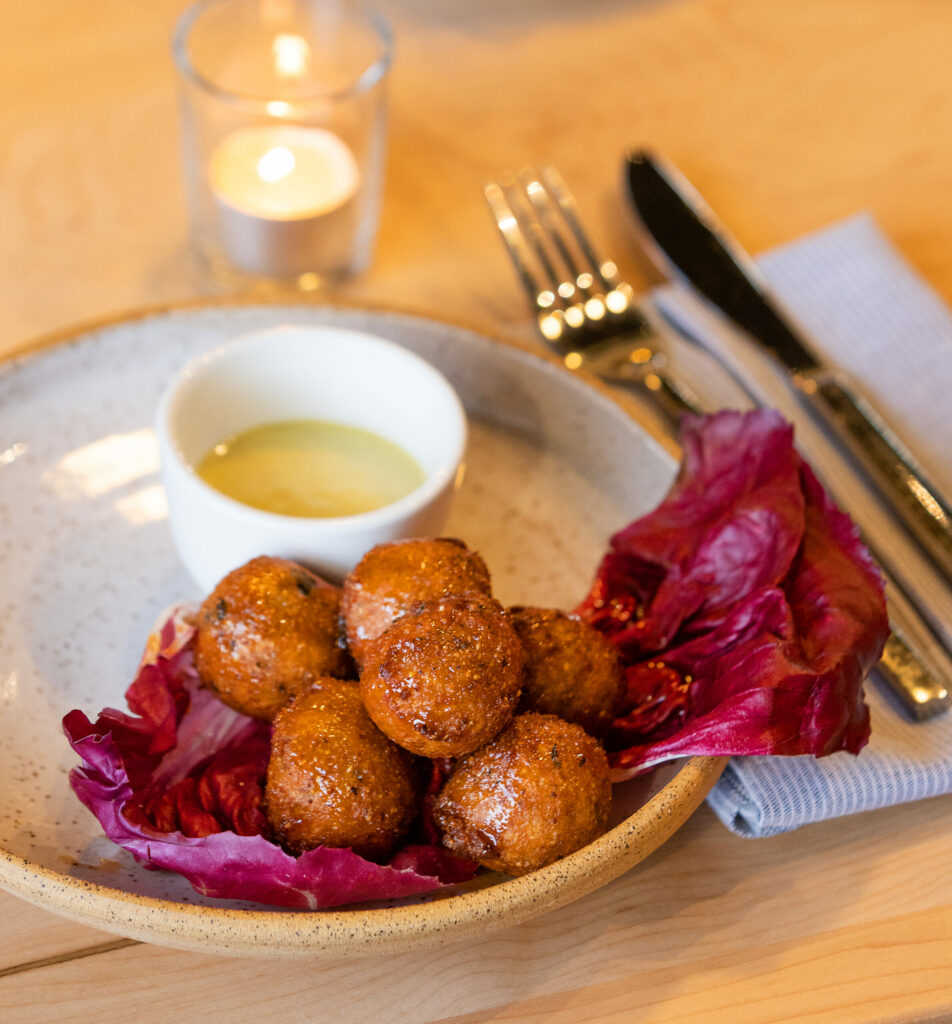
(691, 240)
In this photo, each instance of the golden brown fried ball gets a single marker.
(538, 792)
(265, 633)
(334, 779)
(445, 678)
(572, 670)
(392, 578)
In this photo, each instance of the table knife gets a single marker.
(693, 242)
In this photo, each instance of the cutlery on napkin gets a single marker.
(685, 237)
(850, 288)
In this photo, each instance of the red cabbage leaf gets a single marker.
(745, 607)
(179, 784)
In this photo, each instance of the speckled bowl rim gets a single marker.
(332, 934)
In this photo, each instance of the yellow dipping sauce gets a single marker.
(310, 468)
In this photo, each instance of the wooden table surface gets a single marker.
(788, 115)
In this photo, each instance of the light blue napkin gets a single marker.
(872, 315)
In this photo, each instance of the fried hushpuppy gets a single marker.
(334, 779)
(444, 678)
(538, 792)
(572, 670)
(265, 633)
(392, 578)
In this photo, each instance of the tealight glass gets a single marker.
(283, 110)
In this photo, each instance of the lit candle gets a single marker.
(285, 198)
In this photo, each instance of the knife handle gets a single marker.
(886, 460)
(923, 696)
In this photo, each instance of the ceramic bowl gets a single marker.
(555, 465)
(304, 372)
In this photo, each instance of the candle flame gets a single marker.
(276, 164)
(291, 55)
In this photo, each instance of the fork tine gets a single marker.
(618, 295)
(569, 207)
(527, 254)
(541, 222)
(540, 240)
(540, 295)
(547, 212)
(584, 268)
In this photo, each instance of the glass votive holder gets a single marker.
(283, 110)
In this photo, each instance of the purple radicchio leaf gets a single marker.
(179, 784)
(745, 607)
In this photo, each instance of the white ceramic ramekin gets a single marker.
(297, 372)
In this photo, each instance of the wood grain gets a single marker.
(30, 935)
(787, 115)
(900, 967)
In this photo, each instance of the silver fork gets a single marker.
(583, 311)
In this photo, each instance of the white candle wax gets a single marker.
(285, 198)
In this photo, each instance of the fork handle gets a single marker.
(668, 396)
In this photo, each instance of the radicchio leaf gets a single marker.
(745, 606)
(179, 784)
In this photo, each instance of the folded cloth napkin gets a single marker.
(871, 315)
